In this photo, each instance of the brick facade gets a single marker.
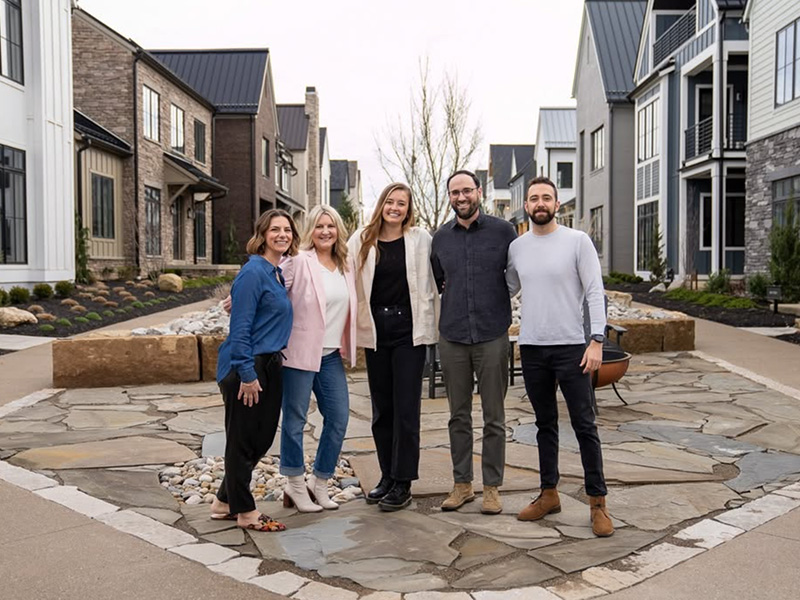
(765, 157)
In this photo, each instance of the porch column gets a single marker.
(717, 199)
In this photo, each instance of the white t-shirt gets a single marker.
(337, 305)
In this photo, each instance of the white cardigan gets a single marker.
(421, 286)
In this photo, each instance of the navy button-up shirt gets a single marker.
(469, 266)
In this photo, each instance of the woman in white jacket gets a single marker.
(397, 318)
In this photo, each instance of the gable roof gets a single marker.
(293, 124)
(501, 157)
(98, 134)
(616, 26)
(231, 80)
(352, 172)
(323, 135)
(557, 128)
(339, 174)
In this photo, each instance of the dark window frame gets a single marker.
(153, 123)
(177, 128)
(784, 191)
(595, 231)
(19, 172)
(200, 241)
(265, 165)
(598, 148)
(560, 178)
(152, 227)
(103, 208)
(792, 64)
(646, 231)
(17, 75)
(199, 141)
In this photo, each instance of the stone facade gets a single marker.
(765, 157)
(312, 149)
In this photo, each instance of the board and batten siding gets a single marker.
(766, 19)
(107, 165)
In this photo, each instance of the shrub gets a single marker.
(784, 262)
(719, 282)
(128, 309)
(64, 289)
(119, 311)
(136, 304)
(757, 285)
(43, 291)
(82, 320)
(19, 295)
(177, 272)
(46, 327)
(93, 316)
(149, 303)
(108, 313)
(740, 303)
(198, 282)
(64, 322)
(126, 273)
(625, 277)
(4, 300)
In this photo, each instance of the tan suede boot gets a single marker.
(461, 494)
(492, 505)
(601, 520)
(547, 502)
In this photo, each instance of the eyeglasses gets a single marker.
(466, 191)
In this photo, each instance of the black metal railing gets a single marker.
(681, 31)
(698, 138)
(736, 133)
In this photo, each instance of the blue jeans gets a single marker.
(330, 389)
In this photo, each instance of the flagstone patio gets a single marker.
(693, 440)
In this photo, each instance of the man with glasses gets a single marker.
(469, 256)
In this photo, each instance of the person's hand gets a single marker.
(248, 392)
(593, 357)
(226, 304)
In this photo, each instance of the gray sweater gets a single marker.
(556, 272)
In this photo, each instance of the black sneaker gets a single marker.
(398, 498)
(383, 487)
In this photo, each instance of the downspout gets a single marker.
(723, 129)
(610, 259)
(253, 180)
(85, 143)
(136, 58)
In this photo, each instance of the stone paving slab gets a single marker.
(76, 500)
(505, 529)
(711, 445)
(777, 436)
(42, 412)
(199, 422)
(94, 396)
(141, 490)
(479, 550)
(280, 583)
(516, 572)
(147, 529)
(205, 554)
(106, 419)
(759, 468)
(386, 574)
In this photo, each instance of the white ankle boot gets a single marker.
(318, 488)
(296, 494)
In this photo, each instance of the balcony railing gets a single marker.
(698, 138)
(736, 134)
(681, 31)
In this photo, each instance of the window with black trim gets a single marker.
(596, 228)
(177, 137)
(265, 157)
(13, 207)
(199, 141)
(102, 207)
(648, 131)
(564, 175)
(787, 64)
(785, 192)
(150, 113)
(11, 63)
(152, 227)
(598, 149)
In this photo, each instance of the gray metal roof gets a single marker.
(230, 79)
(731, 4)
(99, 134)
(352, 172)
(323, 134)
(293, 123)
(557, 128)
(501, 157)
(339, 175)
(616, 28)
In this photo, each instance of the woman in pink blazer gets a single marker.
(321, 284)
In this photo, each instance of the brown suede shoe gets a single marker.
(547, 502)
(492, 505)
(601, 521)
(461, 494)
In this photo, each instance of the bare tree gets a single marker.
(437, 138)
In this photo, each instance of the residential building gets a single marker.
(691, 79)
(505, 161)
(249, 156)
(148, 209)
(517, 189)
(604, 175)
(324, 166)
(556, 155)
(340, 182)
(773, 156)
(483, 177)
(37, 214)
(354, 183)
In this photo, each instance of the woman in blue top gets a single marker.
(249, 367)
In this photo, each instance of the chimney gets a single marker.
(312, 148)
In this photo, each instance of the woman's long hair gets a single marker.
(340, 247)
(369, 236)
(258, 244)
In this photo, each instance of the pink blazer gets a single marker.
(307, 294)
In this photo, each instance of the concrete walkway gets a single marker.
(51, 552)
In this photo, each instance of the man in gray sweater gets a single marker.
(557, 268)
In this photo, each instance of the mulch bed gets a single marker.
(740, 317)
(95, 298)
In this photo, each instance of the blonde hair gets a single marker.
(258, 244)
(369, 236)
(340, 246)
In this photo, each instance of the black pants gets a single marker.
(249, 430)
(542, 367)
(394, 370)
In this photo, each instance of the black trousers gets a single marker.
(394, 371)
(542, 367)
(249, 430)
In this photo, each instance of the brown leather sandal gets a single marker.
(265, 523)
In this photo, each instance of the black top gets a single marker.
(390, 284)
(469, 266)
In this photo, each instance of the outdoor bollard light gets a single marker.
(774, 293)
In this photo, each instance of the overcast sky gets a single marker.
(362, 56)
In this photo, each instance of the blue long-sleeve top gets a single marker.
(261, 318)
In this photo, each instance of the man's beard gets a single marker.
(470, 210)
(542, 217)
